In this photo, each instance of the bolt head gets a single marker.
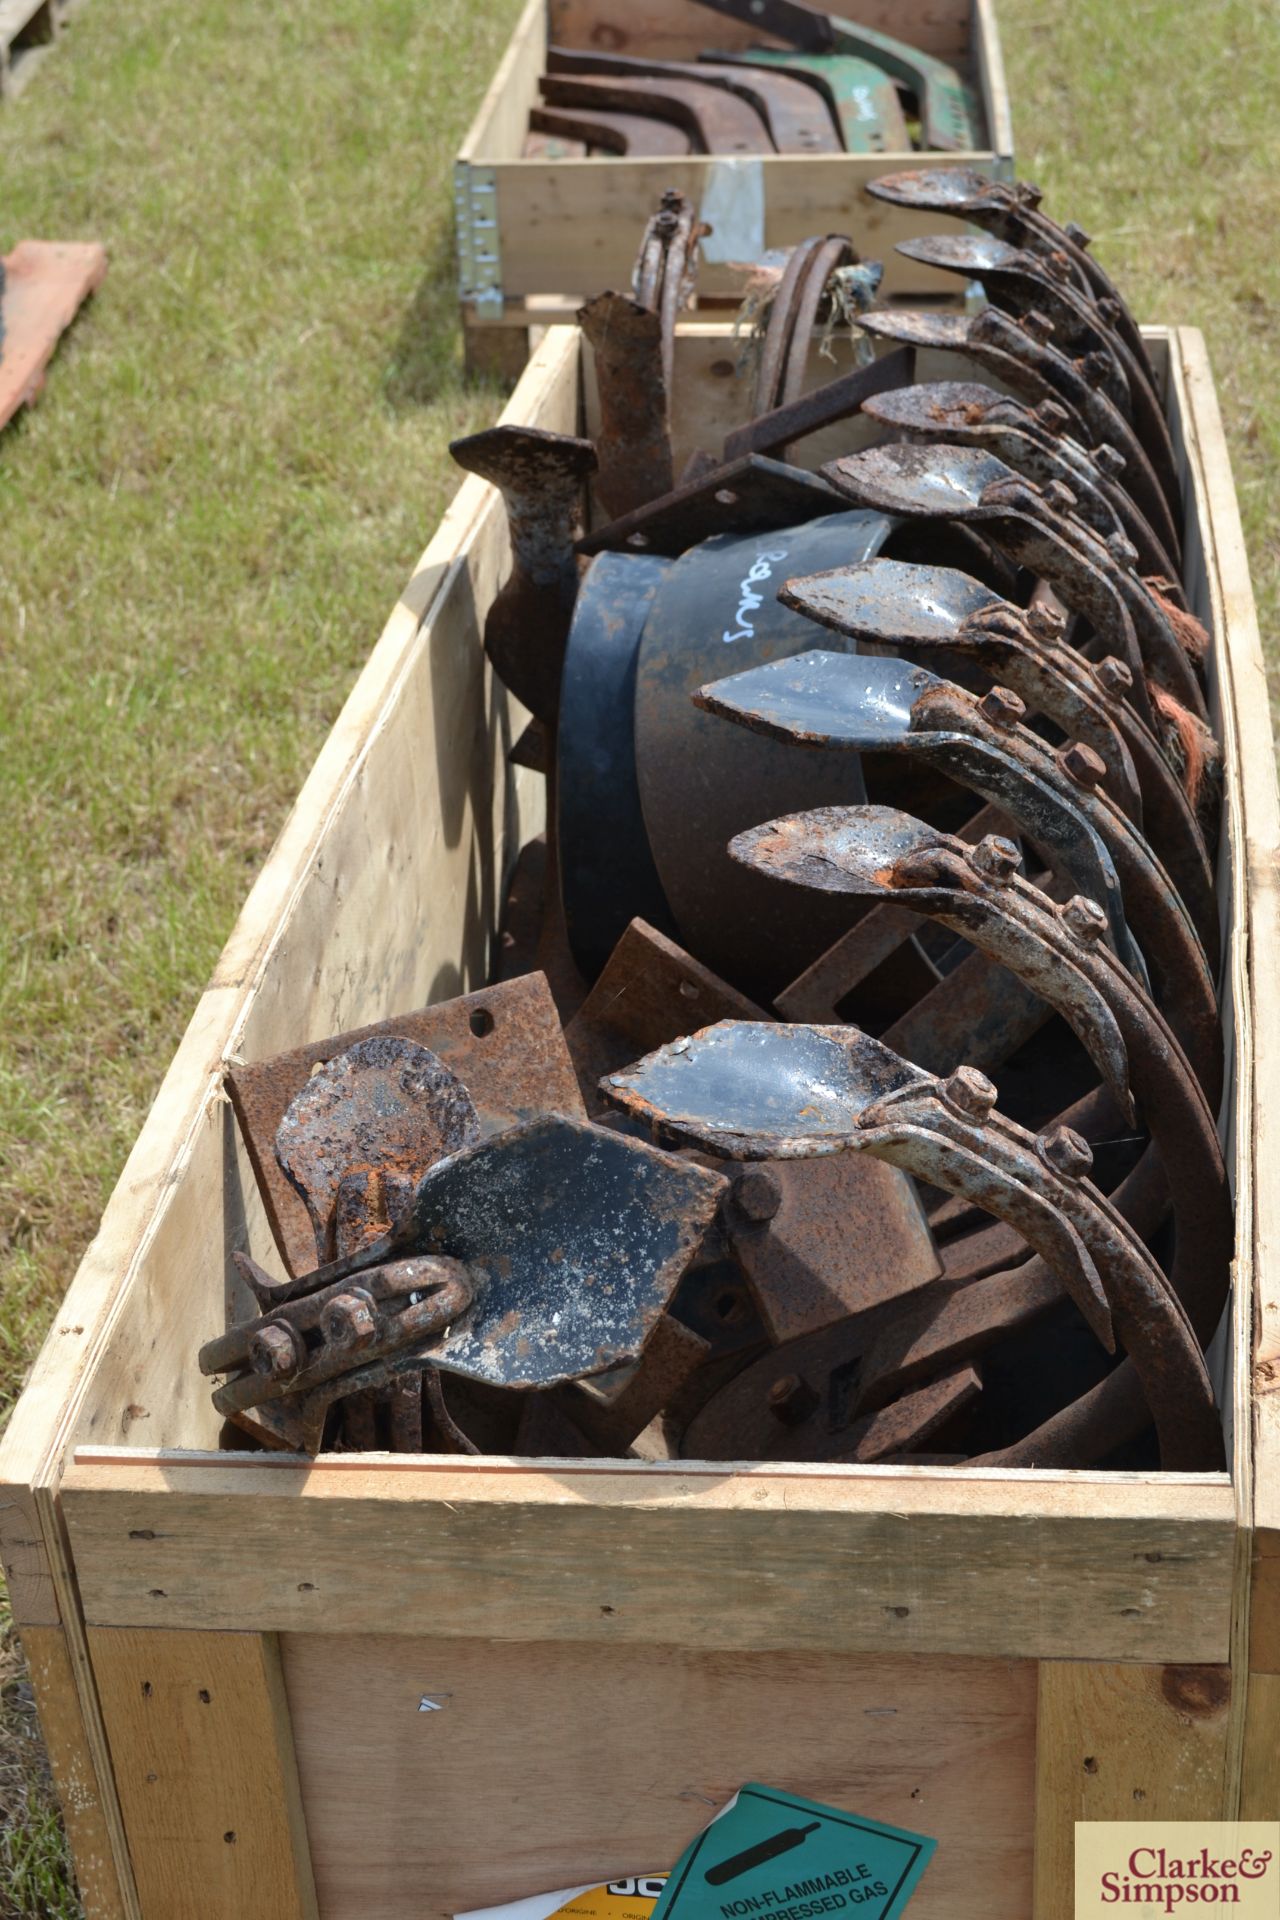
(757, 1192)
(971, 1093)
(1082, 764)
(1109, 459)
(995, 858)
(792, 1399)
(1084, 918)
(1095, 365)
(1122, 550)
(273, 1354)
(348, 1321)
(1053, 416)
(1045, 622)
(1060, 497)
(1115, 677)
(1002, 707)
(1029, 193)
(1077, 235)
(1066, 1151)
(1038, 325)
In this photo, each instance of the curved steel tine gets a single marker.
(881, 853)
(909, 605)
(633, 445)
(1057, 951)
(719, 121)
(1022, 283)
(861, 97)
(1011, 210)
(865, 703)
(1028, 342)
(796, 121)
(963, 413)
(778, 329)
(1033, 443)
(1036, 529)
(1168, 935)
(632, 133)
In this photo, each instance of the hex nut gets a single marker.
(1083, 917)
(792, 1399)
(757, 1192)
(1114, 676)
(1066, 1151)
(1038, 325)
(1081, 764)
(273, 1352)
(1045, 622)
(971, 1093)
(348, 1321)
(1110, 459)
(995, 858)
(1122, 550)
(1002, 707)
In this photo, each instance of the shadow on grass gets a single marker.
(427, 356)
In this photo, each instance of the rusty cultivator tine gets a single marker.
(861, 97)
(1061, 954)
(540, 476)
(1033, 442)
(633, 446)
(893, 603)
(1011, 211)
(746, 1091)
(860, 702)
(1024, 284)
(1038, 530)
(716, 121)
(1034, 371)
(795, 116)
(632, 133)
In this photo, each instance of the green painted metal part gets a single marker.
(860, 94)
(949, 112)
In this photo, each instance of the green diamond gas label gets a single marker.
(771, 1856)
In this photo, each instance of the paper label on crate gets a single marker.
(771, 1856)
(631, 1899)
(733, 207)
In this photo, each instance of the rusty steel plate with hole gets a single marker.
(504, 1044)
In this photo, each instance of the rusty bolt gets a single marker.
(1053, 416)
(791, 1399)
(348, 1321)
(1045, 622)
(1095, 366)
(1114, 676)
(995, 858)
(1002, 707)
(1110, 459)
(1081, 764)
(1077, 235)
(1056, 264)
(971, 1093)
(1029, 193)
(1110, 310)
(1083, 917)
(1066, 1151)
(1122, 550)
(1038, 325)
(1059, 496)
(273, 1354)
(757, 1193)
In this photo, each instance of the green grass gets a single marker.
(241, 452)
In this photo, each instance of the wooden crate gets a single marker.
(538, 237)
(29, 29)
(380, 1686)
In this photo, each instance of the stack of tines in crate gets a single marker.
(846, 1089)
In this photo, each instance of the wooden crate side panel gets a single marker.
(676, 30)
(202, 1749)
(879, 1561)
(989, 62)
(1260, 1790)
(392, 905)
(1123, 1743)
(551, 1766)
(502, 120)
(86, 1815)
(573, 226)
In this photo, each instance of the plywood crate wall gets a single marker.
(538, 237)
(376, 1685)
